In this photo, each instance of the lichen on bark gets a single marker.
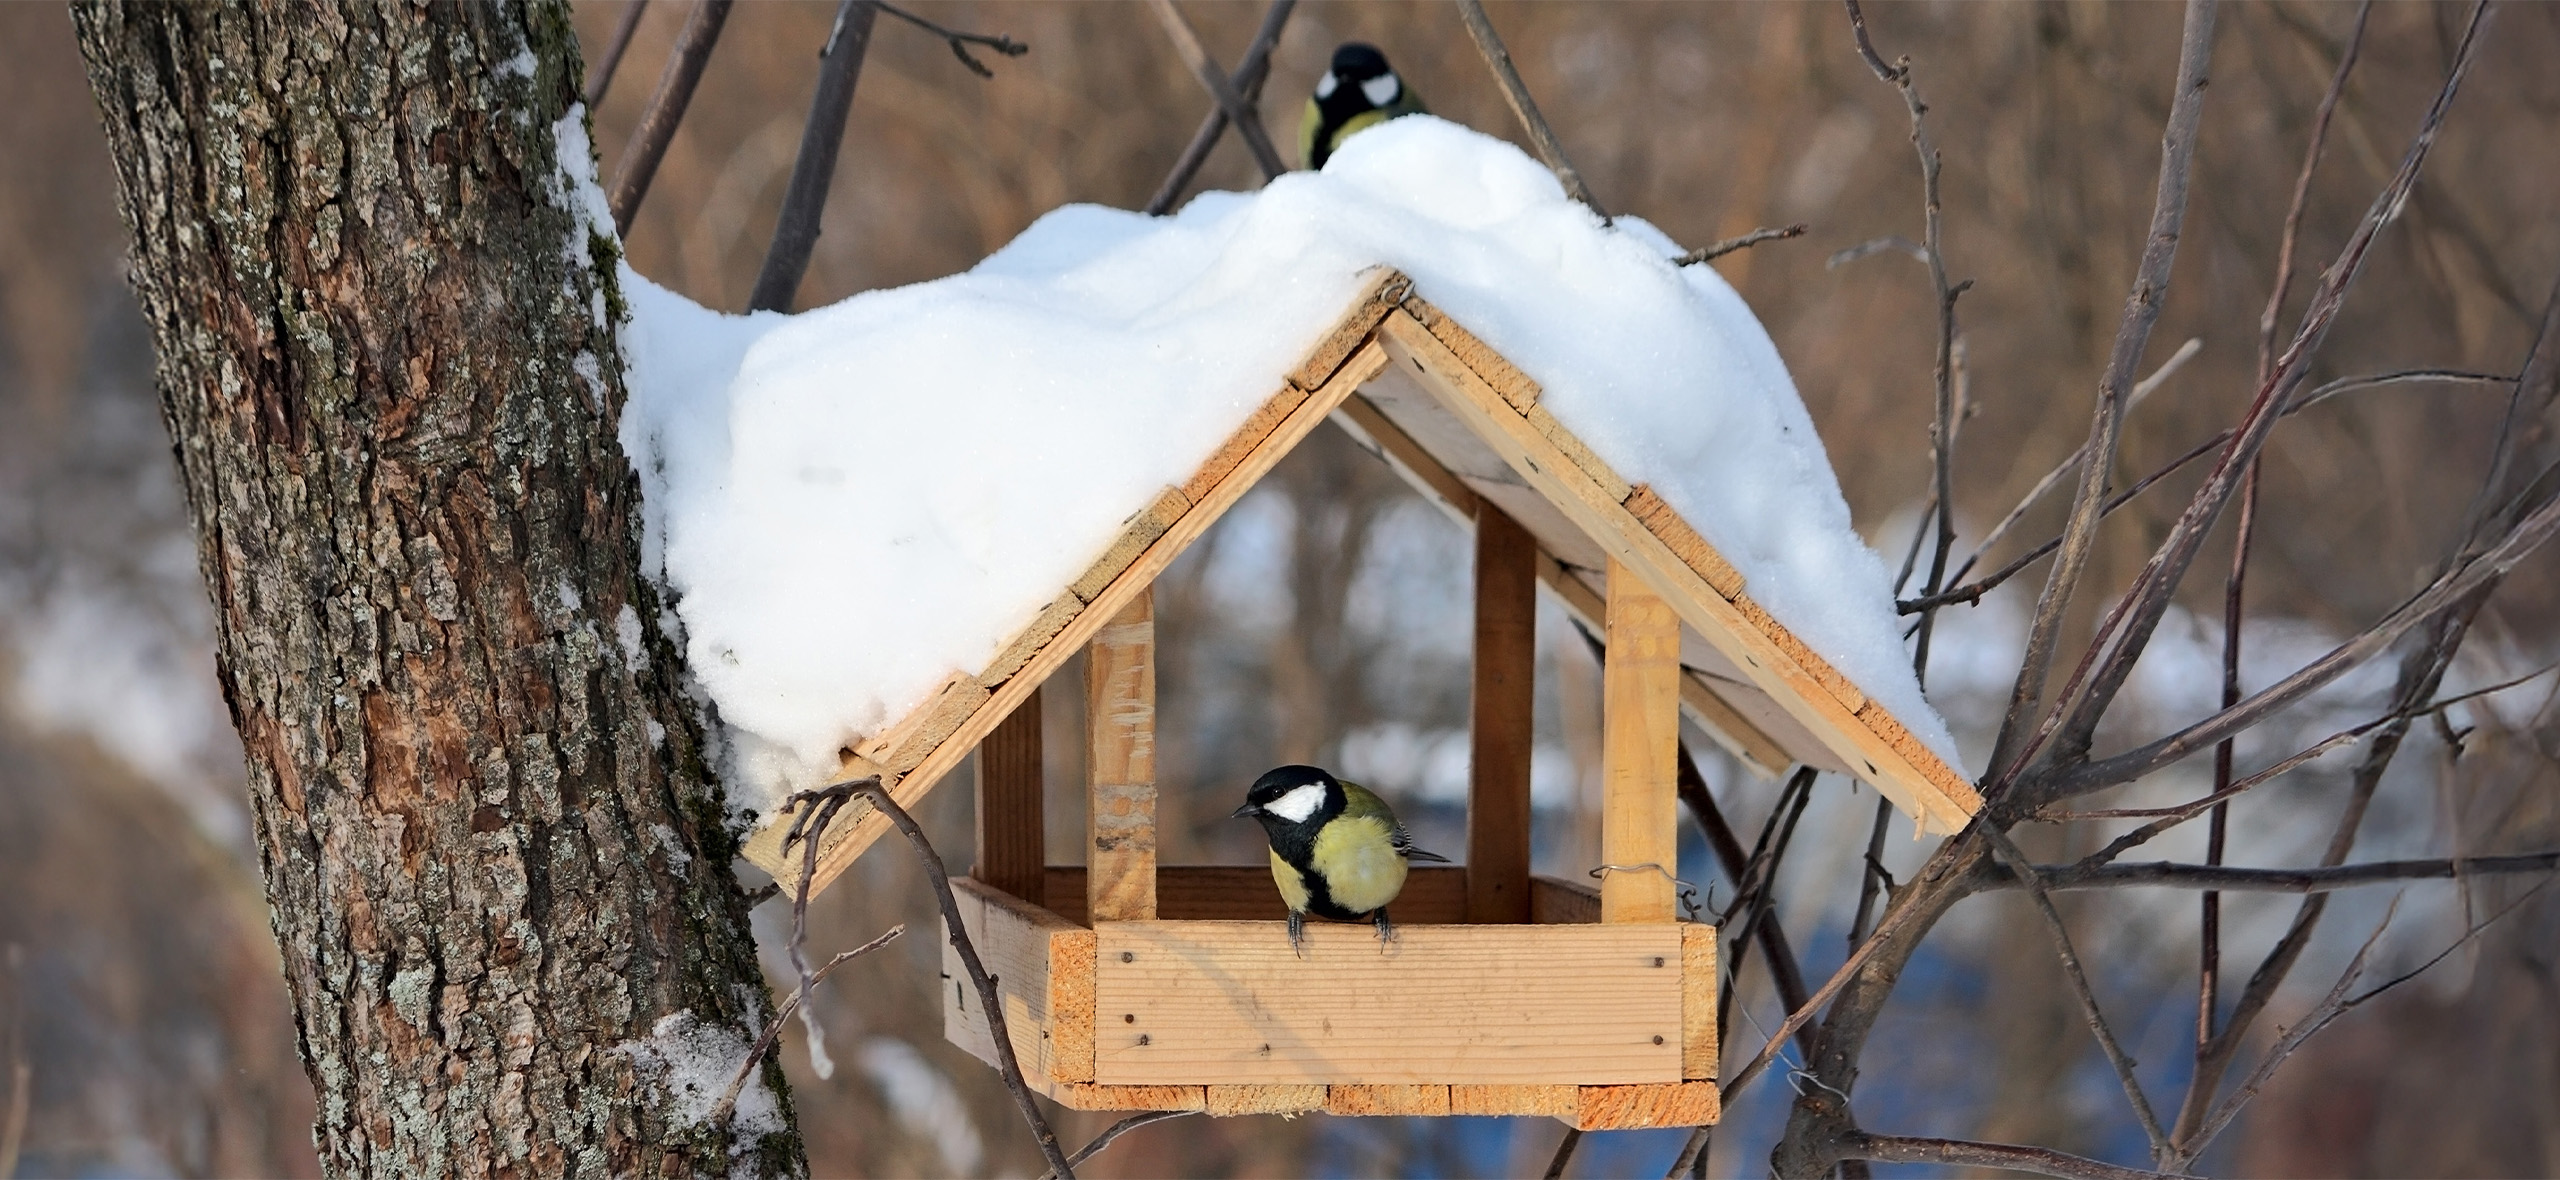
(371, 292)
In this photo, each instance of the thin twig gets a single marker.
(1116, 1130)
(1784, 969)
(1563, 1157)
(2043, 1161)
(2326, 879)
(657, 126)
(1716, 250)
(1247, 120)
(2153, 588)
(795, 231)
(959, 41)
(1250, 74)
(991, 1003)
(1888, 244)
(600, 76)
(791, 1004)
(2003, 850)
(1542, 138)
(13, 1118)
(2106, 428)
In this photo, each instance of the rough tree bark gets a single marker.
(497, 862)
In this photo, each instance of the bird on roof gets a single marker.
(1360, 91)
(1336, 849)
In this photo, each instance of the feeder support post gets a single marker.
(1120, 766)
(1639, 752)
(1012, 823)
(1503, 710)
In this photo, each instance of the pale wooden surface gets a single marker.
(1639, 753)
(1556, 901)
(1555, 1102)
(1434, 894)
(1014, 942)
(1502, 713)
(1941, 799)
(1358, 1101)
(1629, 1108)
(1698, 1049)
(1120, 766)
(1012, 821)
(847, 841)
(1227, 1002)
(1265, 1099)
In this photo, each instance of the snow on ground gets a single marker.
(854, 502)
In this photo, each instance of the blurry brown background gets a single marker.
(1326, 620)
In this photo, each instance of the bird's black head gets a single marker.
(1292, 797)
(1359, 80)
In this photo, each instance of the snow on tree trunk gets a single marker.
(496, 858)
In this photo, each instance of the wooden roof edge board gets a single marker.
(1384, 290)
(847, 841)
(1698, 699)
(1746, 634)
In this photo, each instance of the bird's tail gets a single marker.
(1419, 854)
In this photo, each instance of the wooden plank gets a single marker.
(1377, 435)
(902, 746)
(1497, 370)
(1232, 454)
(1608, 522)
(1141, 531)
(1693, 550)
(1017, 942)
(1384, 290)
(1552, 1102)
(1556, 901)
(1697, 1002)
(1629, 1108)
(1229, 1002)
(1071, 1003)
(1013, 852)
(1639, 753)
(1433, 894)
(1503, 706)
(1258, 1099)
(1735, 732)
(1120, 766)
(1086, 1096)
(1027, 642)
(1358, 1101)
(847, 841)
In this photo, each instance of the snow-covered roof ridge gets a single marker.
(876, 515)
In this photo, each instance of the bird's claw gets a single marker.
(1297, 934)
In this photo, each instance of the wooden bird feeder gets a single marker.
(1134, 986)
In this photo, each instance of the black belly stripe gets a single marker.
(1297, 845)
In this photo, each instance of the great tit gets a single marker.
(1359, 92)
(1336, 850)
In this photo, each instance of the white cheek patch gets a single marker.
(1298, 804)
(1382, 89)
(1325, 85)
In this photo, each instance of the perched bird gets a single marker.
(1359, 92)
(1336, 850)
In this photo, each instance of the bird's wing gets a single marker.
(1358, 800)
(1310, 125)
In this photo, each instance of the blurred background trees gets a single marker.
(1326, 620)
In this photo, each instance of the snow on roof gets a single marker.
(853, 503)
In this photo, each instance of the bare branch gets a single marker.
(2158, 581)
(1563, 1157)
(1249, 77)
(1785, 970)
(2133, 335)
(869, 789)
(795, 232)
(2007, 853)
(1116, 1130)
(2296, 880)
(1715, 250)
(1248, 122)
(2043, 1161)
(666, 110)
(2331, 1006)
(791, 1005)
(959, 41)
(1515, 92)
(600, 76)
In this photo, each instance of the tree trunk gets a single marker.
(497, 861)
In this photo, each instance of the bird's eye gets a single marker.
(1381, 90)
(1326, 84)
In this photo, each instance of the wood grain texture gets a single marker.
(1228, 1002)
(1639, 753)
(1553, 1102)
(1698, 990)
(843, 844)
(1502, 712)
(1263, 1099)
(1377, 434)
(1693, 550)
(1087, 1096)
(1014, 941)
(1433, 894)
(1556, 901)
(1498, 372)
(1363, 1101)
(1012, 816)
(1629, 1108)
(1563, 483)
(1383, 291)
(1120, 766)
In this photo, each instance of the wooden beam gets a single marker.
(1012, 824)
(1639, 753)
(1504, 705)
(1433, 894)
(1120, 766)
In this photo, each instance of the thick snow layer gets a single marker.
(855, 502)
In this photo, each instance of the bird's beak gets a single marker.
(1247, 811)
